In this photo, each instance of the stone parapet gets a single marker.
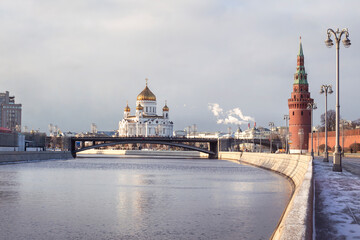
(297, 219)
(10, 157)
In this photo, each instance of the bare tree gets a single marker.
(355, 123)
(331, 120)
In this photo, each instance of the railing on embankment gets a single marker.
(7, 157)
(297, 219)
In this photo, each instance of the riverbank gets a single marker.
(297, 220)
(11, 157)
(193, 154)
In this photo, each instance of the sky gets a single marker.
(76, 62)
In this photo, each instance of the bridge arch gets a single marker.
(185, 146)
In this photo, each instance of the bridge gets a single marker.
(212, 145)
(78, 143)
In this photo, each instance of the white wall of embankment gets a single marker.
(297, 219)
(7, 157)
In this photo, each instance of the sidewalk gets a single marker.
(337, 200)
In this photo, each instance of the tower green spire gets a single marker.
(301, 50)
(300, 76)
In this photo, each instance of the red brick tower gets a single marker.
(300, 116)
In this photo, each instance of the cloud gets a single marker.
(233, 116)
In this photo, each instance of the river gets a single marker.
(139, 198)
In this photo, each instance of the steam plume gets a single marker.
(233, 116)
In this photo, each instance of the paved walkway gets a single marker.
(337, 200)
(352, 165)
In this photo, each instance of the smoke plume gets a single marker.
(233, 116)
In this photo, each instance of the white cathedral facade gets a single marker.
(145, 122)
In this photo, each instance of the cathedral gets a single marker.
(145, 122)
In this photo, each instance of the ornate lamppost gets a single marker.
(271, 125)
(312, 106)
(327, 89)
(286, 118)
(337, 35)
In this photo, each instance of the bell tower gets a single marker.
(299, 114)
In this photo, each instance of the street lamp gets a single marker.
(286, 118)
(328, 42)
(343, 122)
(301, 138)
(260, 130)
(271, 124)
(327, 89)
(312, 106)
(318, 141)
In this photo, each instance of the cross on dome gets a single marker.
(146, 94)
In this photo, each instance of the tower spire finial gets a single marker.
(146, 79)
(301, 49)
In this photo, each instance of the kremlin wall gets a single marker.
(351, 140)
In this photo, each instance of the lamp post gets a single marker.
(328, 42)
(312, 106)
(318, 142)
(327, 89)
(271, 125)
(286, 118)
(301, 138)
(343, 122)
(260, 139)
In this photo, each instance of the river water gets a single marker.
(139, 198)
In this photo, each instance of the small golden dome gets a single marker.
(165, 108)
(127, 109)
(139, 107)
(146, 94)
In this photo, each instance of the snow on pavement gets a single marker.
(337, 203)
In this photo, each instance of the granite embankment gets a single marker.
(297, 219)
(11, 157)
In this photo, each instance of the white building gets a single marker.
(145, 122)
(252, 133)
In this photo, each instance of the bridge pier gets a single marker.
(72, 148)
(214, 147)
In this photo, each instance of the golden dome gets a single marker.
(127, 109)
(165, 108)
(146, 94)
(139, 107)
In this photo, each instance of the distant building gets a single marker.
(10, 112)
(255, 133)
(145, 122)
(206, 135)
(180, 133)
(300, 115)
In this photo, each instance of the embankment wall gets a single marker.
(8, 157)
(297, 219)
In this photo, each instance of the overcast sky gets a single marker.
(76, 62)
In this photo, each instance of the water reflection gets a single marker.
(111, 198)
(8, 187)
